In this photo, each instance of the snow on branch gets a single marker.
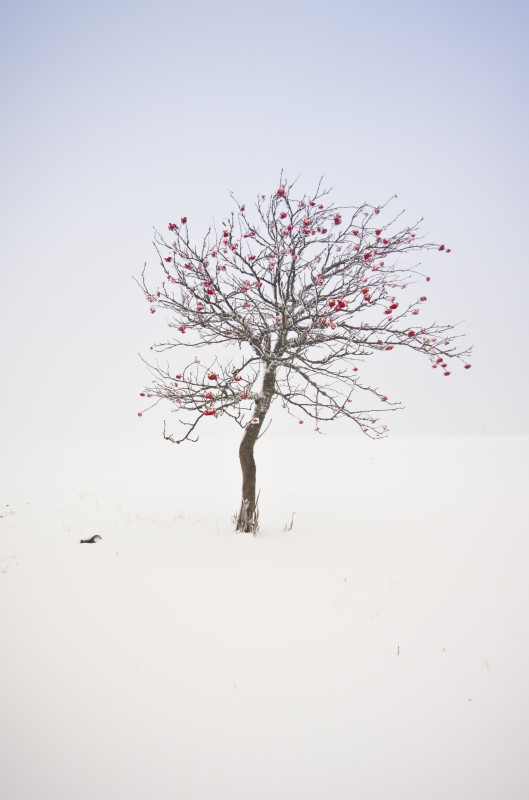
(304, 291)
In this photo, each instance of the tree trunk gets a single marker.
(247, 520)
(248, 516)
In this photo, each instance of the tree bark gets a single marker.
(248, 517)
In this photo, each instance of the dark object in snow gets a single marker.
(93, 540)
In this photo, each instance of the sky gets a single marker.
(119, 117)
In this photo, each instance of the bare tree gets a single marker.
(300, 293)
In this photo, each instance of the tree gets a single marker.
(300, 294)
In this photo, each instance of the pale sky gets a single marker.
(120, 116)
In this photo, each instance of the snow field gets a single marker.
(378, 650)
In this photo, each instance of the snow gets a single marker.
(377, 650)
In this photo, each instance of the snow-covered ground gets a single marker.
(378, 650)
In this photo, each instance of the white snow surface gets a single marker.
(377, 651)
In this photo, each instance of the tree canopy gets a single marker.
(300, 290)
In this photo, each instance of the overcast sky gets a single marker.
(120, 116)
